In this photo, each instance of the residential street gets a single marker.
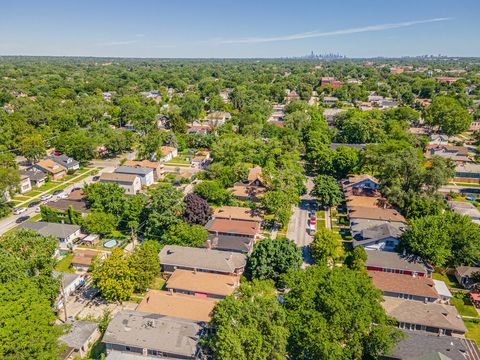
(297, 229)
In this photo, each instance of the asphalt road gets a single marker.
(298, 231)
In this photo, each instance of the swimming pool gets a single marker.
(110, 244)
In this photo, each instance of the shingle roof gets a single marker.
(203, 282)
(33, 175)
(66, 278)
(241, 227)
(394, 260)
(401, 284)
(237, 213)
(360, 212)
(79, 334)
(60, 231)
(64, 160)
(135, 170)
(117, 177)
(466, 270)
(199, 258)
(379, 232)
(51, 166)
(231, 243)
(436, 315)
(254, 174)
(153, 331)
(419, 344)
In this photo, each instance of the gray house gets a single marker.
(67, 162)
(79, 338)
(65, 233)
(153, 335)
(144, 173)
(174, 257)
(379, 237)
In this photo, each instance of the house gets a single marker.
(474, 126)
(254, 177)
(65, 161)
(443, 291)
(330, 81)
(202, 283)
(52, 168)
(84, 258)
(395, 263)
(174, 257)
(417, 346)
(245, 192)
(153, 335)
(363, 181)
(463, 274)
(198, 129)
(458, 154)
(25, 184)
(218, 118)
(76, 201)
(396, 70)
(467, 209)
(383, 237)
(65, 233)
(435, 318)
(178, 305)
(438, 139)
(387, 104)
(145, 174)
(156, 166)
(330, 115)
(446, 79)
(79, 338)
(69, 283)
(168, 153)
(405, 287)
(330, 100)
(374, 98)
(360, 212)
(131, 183)
(335, 146)
(232, 235)
(467, 173)
(238, 213)
(37, 177)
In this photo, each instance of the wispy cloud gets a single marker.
(317, 34)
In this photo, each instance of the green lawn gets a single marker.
(65, 265)
(449, 280)
(36, 217)
(463, 305)
(473, 330)
(158, 283)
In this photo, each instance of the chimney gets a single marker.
(209, 244)
(170, 291)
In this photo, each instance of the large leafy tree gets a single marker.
(33, 147)
(249, 326)
(213, 192)
(184, 234)
(279, 204)
(98, 222)
(444, 239)
(326, 190)
(145, 264)
(165, 209)
(325, 247)
(321, 316)
(448, 114)
(197, 210)
(105, 197)
(271, 258)
(114, 276)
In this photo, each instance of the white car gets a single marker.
(37, 210)
(19, 211)
(63, 196)
(46, 197)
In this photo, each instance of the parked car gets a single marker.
(57, 192)
(33, 203)
(46, 197)
(63, 196)
(19, 211)
(96, 178)
(37, 210)
(22, 219)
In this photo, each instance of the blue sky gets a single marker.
(245, 28)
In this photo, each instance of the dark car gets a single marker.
(22, 219)
(96, 178)
(57, 192)
(34, 203)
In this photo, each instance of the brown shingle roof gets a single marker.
(202, 282)
(237, 213)
(398, 283)
(365, 201)
(84, 257)
(360, 212)
(254, 174)
(114, 177)
(233, 226)
(177, 305)
(51, 166)
(242, 190)
(144, 163)
(165, 150)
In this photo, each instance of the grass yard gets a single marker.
(473, 330)
(463, 305)
(65, 264)
(36, 217)
(449, 280)
(158, 283)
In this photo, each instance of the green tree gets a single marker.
(105, 197)
(145, 264)
(213, 192)
(98, 222)
(271, 258)
(345, 161)
(325, 247)
(33, 147)
(191, 107)
(444, 239)
(184, 234)
(251, 326)
(279, 205)
(326, 190)
(448, 114)
(357, 259)
(321, 316)
(114, 276)
(133, 208)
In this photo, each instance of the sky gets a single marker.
(239, 29)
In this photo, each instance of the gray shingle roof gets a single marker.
(79, 334)
(60, 231)
(64, 160)
(418, 344)
(379, 232)
(134, 170)
(66, 278)
(154, 332)
(394, 260)
(200, 258)
(33, 175)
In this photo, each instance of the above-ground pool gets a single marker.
(110, 244)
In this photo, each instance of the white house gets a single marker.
(168, 153)
(438, 139)
(25, 184)
(131, 183)
(65, 233)
(144, 173)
